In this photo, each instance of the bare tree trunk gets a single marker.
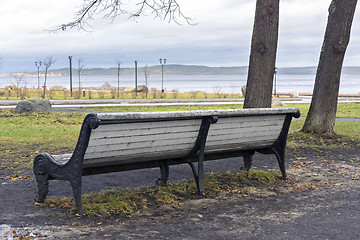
(263, 54)
(118, 78)
(46, 64)
(43, 96)
(322, 112)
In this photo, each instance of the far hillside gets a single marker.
(173, 69)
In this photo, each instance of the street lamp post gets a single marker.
(162, 73)
(136, 62)
(38, 65)
(70, 57)
(275, 71)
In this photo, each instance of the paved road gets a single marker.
(159, 102)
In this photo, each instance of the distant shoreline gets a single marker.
(173, 69)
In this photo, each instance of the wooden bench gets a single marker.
(111, 142)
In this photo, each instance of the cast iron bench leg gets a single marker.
(247, 161)
(43, 187)
(164, 170)
(76, 185)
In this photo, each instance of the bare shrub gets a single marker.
(217, 91)
(175, 93)
(101, 93)
(193, 94)
(163, 95)
(143, 94)
(23, 93)
(113, 92)
(154, 92)
(51, 93)
(76, 94)
(66, 93)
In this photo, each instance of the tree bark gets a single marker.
(263, 54)
(322, 112)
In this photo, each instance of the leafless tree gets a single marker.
(118, 76)
(322, 112)
(19, 80)
(165, 9)
(81, 65)
(46, 65)
(146, 75)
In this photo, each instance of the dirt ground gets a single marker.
(321, 200)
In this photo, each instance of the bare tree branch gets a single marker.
(165, 9)
(19, 80)
(80, 68)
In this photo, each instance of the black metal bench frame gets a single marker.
(47, 168)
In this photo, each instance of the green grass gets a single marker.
(344, 110)
(58, 130)
(23, 135)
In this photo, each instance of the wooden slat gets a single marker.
(151, 125)
(131, 158)
(184, 148)
(239, 146)
(176, 143)
(246, 134)
(100, 134)
(144, 139)
(250, 120)
(240, 132)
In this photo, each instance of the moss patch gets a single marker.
(130, 201)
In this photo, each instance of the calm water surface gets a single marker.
(188, 83)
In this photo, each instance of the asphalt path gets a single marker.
(76, 103)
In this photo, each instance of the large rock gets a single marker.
(276, 102)
(243, 90)
(33, 105)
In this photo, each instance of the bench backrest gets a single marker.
(128, 142)
(240, 133)
(124, 138)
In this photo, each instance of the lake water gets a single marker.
(187, 83)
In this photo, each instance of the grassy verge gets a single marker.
(18, 94)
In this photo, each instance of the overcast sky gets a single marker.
(221, 37)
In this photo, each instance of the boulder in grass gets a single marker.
(276, 102)
(33, 105)
(243, 90)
